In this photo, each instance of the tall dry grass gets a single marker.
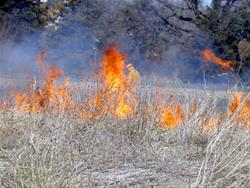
(55, 149)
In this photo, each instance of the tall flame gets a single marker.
(208, 55)
(117, 94)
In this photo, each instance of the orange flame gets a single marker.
(208, 55)
(118, 87)
(49, 96)
(172, 116)
(243, 108)
(117, 96)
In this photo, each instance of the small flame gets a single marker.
(208, 55)
(4, 105)
(172, 116)
(238, 103)
(49, 95)
(212, 125)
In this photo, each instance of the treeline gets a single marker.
(23, 17)
(18, 18)
(227, 23)
(150, 26)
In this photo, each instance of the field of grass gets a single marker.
(58, 149)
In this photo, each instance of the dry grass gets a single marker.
(53, 149)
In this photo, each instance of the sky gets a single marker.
(207, 2)
(204, 2)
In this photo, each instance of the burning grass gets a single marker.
(125, 134)
(55, 149)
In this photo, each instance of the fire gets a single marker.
(113, 69)
(172, 116)
(123, 109)
(212, 124)
(119, 82)
(4, 105)
(117, 95)
(242, 108)
(208, 55)
(50, 95)
(235, 103)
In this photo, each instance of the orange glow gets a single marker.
(208, 55)
(211, 125)
(4, 105)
